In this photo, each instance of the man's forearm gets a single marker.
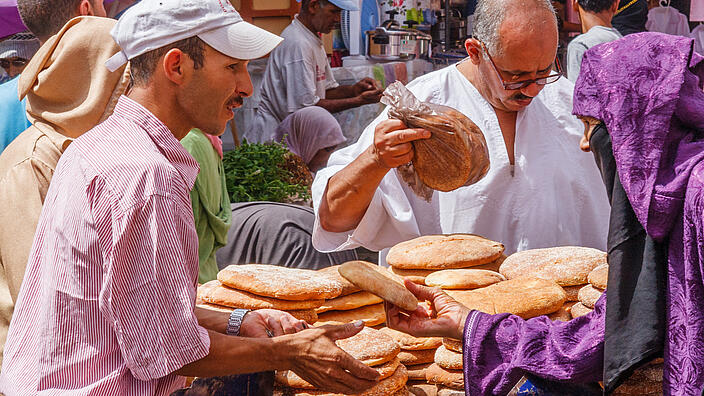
(335, 105)
(238, 355)
(212, 320)
(341, 92)
(349, 193)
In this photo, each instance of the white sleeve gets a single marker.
(330, 81)
(389, 218)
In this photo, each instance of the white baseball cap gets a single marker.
(349, 5)
(152, 24)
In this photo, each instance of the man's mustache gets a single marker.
(236, 101)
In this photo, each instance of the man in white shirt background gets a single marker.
(298, 73)
(540, 190)
(595, 17)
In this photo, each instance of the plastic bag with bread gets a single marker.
(456, 153)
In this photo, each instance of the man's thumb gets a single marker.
(346, 330)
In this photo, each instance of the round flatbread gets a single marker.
(292, 380)
(414, 275)
(566, 265)
(365, 276)
(372, 315)
(563, 314)
(492, 266)
(463, 279)
(347, 287)
(525, 297)
(417, 371)
(651, 373)
(599, 276)
(449, 360)
(453, 344)
(449, 378)
(386, 387)
(280, 282)
(588, 295)
(572, 292)
(350, 301)
(370, 346)
(307, 315)
(443, 391)
(639, 388)
(410, 358)
(444, 252)
(214, 292)
(421, 388)
(578, 310)
(410, 343)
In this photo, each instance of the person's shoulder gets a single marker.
(578, 42)
(429, 85)
(9, 99)
(22, 148)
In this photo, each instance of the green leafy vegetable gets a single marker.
(266, 172)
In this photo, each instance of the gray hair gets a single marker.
(489, 15)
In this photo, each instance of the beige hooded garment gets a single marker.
(69, 91)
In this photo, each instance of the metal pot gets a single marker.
(383, 44)
(397, 44)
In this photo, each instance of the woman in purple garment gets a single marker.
(642, 101)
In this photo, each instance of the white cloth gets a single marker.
(308, 130)
(698, 36)
(297, 76)
(667, 20)
(554, 197)
(580, 44)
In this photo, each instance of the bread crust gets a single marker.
(444, 252)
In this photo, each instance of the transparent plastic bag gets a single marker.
(455, 155)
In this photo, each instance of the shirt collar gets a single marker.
(307, 32)
(167, 143)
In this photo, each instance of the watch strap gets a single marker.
(235, 322)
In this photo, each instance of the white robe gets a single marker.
(553, 196)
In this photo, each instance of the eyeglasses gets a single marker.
(514, 85)
(5, 63)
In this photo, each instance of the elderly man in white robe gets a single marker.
(540, 191)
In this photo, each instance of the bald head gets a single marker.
(511, 23)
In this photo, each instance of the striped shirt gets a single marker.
(106, 305)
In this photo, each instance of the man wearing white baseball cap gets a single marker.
(298, 74)
(107, 305)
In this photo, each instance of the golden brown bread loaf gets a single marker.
(280, 282)
(350, 301)
(566, 265)
(386, 387)
(454, 156)
(414, 275)
(452, 344)
(214, 292)
(444, 252)
(572, 292)
(599, 276)
(410, 358)
(563, 314)
(410, 343)
(417, 371)
(449, 378)
(292, 380)
(449, 360)
(463, 278)
(372, 315)
(588, 295)
(421, 388)
(525, 297)
(367, 277)
(347, 287)
(579, 309)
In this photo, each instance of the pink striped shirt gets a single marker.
(106, 305)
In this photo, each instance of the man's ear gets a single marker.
(85, 8)
(614, 7)
(474, 49)
(174, 63)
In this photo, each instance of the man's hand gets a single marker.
(316, 359)
(257, 323)
(373, 96)
(392, 145)
(365, 84)
(446, 317)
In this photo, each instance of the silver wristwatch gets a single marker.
(235, 321)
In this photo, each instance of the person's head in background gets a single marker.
(16, 51)
(313, 134)
(321, 16)
(44, 18)
(595, 12)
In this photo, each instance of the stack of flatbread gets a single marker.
(417, 354)
(592, 291)
(258, 286)
(373, 348)
(352, 303)
(420, 257)
(569, 266)
(646, 381)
